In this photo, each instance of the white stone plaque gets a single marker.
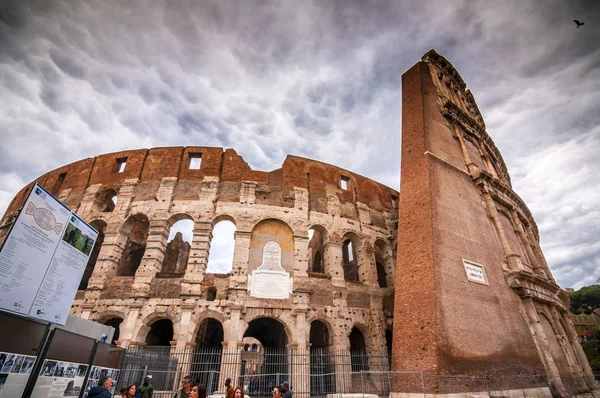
(475, 272)
(270, 280)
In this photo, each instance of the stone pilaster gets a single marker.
(241, 256)
(300, 267)
(198, 259)
(541, 342)
(332, 259)
(151, 263)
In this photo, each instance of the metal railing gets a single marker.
(317, 373)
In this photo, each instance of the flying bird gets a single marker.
(579, 23)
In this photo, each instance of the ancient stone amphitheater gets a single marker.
(314, 260)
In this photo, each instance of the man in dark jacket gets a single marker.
(286, 390)
(102, 390)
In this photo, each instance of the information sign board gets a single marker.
(43, 259)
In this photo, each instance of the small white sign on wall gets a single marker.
(475, 272)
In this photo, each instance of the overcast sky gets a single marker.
(314, 79)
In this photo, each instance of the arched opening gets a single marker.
(160, 334)
(115, 323)
(220, 259)
(265, 232)
(317, 265)
(316, 246)
(385, 261)
(211, 294)
(358, 351)
(322, 368)
(99, 226)
(273, 337)
(381, 275)
(388, 343)
(209, 349)
(350, 261)
(136, 229)
(178, 247)
(106, 200)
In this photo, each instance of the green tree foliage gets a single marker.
(585, 300)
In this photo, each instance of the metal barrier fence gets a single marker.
(315, 373)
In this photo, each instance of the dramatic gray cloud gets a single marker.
(315, 79)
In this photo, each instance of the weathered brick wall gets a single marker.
(148, 167)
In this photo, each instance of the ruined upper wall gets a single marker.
(147, 168)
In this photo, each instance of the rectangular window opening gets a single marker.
(344, 182)
(195, 161)
(121, 163)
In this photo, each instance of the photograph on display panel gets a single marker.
(8, 363)
(76, 238)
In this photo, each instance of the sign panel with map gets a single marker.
(43, 258)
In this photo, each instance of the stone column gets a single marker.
(184, 336)
(198, 259)
(241, 256)
(367, 269)
(156, 244)
(471, 167)
(588, 374)
(525, 241)
(513, 259)
(300, 266)
(332, 259)
(563, 340)
(539, 255)
(541, 342)
(127, 328)
(231, 358)
(109, 258)
(300, 369)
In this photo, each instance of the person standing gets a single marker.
(146, 389)
(186, 388)
(102, 390)
(238, 392)
(130, 391)
(277, 392)
(229, 392)
(285, 388)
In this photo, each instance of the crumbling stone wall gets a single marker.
(157, 188)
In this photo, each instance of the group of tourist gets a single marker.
(188, 389)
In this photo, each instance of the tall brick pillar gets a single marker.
(446, 321)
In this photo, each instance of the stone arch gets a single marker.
(135, 232)
(100, 226)
(271, 230)
(179, 241)
(286, 328)
(556, 350)
(222, 244)
(318, 239)
(104, 316)
(175, 218)
(105, 200)
(160, 333)
(320, 334)
(358, 347)
(351, 245)
(201, 317)
(149, 320)
(384, 258)
(224, 217)
(210, 333)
